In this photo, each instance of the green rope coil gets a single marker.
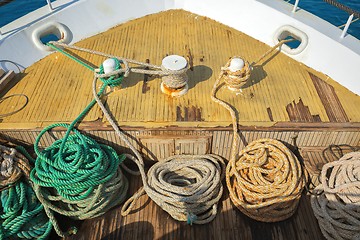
(76, 176)
(22, 215)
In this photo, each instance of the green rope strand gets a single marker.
(22, 215)
(76, 176)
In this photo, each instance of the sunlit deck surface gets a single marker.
(282, 99)
(280, 90)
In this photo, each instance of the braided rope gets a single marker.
(13, 165)
(176, 80)
(161, 71)
(21, 213)
(204, 180)
(209, 170)
(188, 187)
(235, 80)
(76, 176)
(343, 7)
(337, 202)
(266, 180)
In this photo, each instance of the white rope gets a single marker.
(172, 78)
(336, 202)
(201, 175)
(188, 187)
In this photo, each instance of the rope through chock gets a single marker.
(175, 80)
(336, 202)
(76, 176)
(21, 214)
(265, 181)
(188, 187)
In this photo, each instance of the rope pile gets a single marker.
(76, 176)
(336, 202)
(21, 213)
(266, 181)
(188, 187)
(235, 80)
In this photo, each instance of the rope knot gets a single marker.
(114, 78)
(12, 166)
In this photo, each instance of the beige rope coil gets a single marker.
(13, 165)
(235, 80)
(266, 181)
(188, 187)
(200, 175)
(336, 203)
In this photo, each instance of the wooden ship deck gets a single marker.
(283, 99)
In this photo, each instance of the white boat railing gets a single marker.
(50, 5)
(340, 6)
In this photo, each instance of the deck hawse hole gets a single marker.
(49, 37)
(287, 32)
(52, 31)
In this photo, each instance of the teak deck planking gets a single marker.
(284, 100)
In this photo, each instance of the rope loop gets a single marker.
(188, 187)
(114, 79)
(235, 80)
(266, 181)
(337, 204)
(21, 214)
(77, 177)
(13, 165)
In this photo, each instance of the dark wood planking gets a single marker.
(298, 112)
(149, 221)
(330, 100)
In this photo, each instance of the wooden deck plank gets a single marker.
(151, 222)
(59, 89)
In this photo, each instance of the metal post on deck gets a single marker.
(49, 4)
(347, 25)
(295, 5)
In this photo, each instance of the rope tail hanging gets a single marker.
(336, 202)
(188, 187)
(76, 176)
(21, 215)
(265, 179)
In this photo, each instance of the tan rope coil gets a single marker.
(178, 79)
(12, 166)
(266, 180)
(201, 175)
(336, 203)
(188, 187)
(235, 80)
